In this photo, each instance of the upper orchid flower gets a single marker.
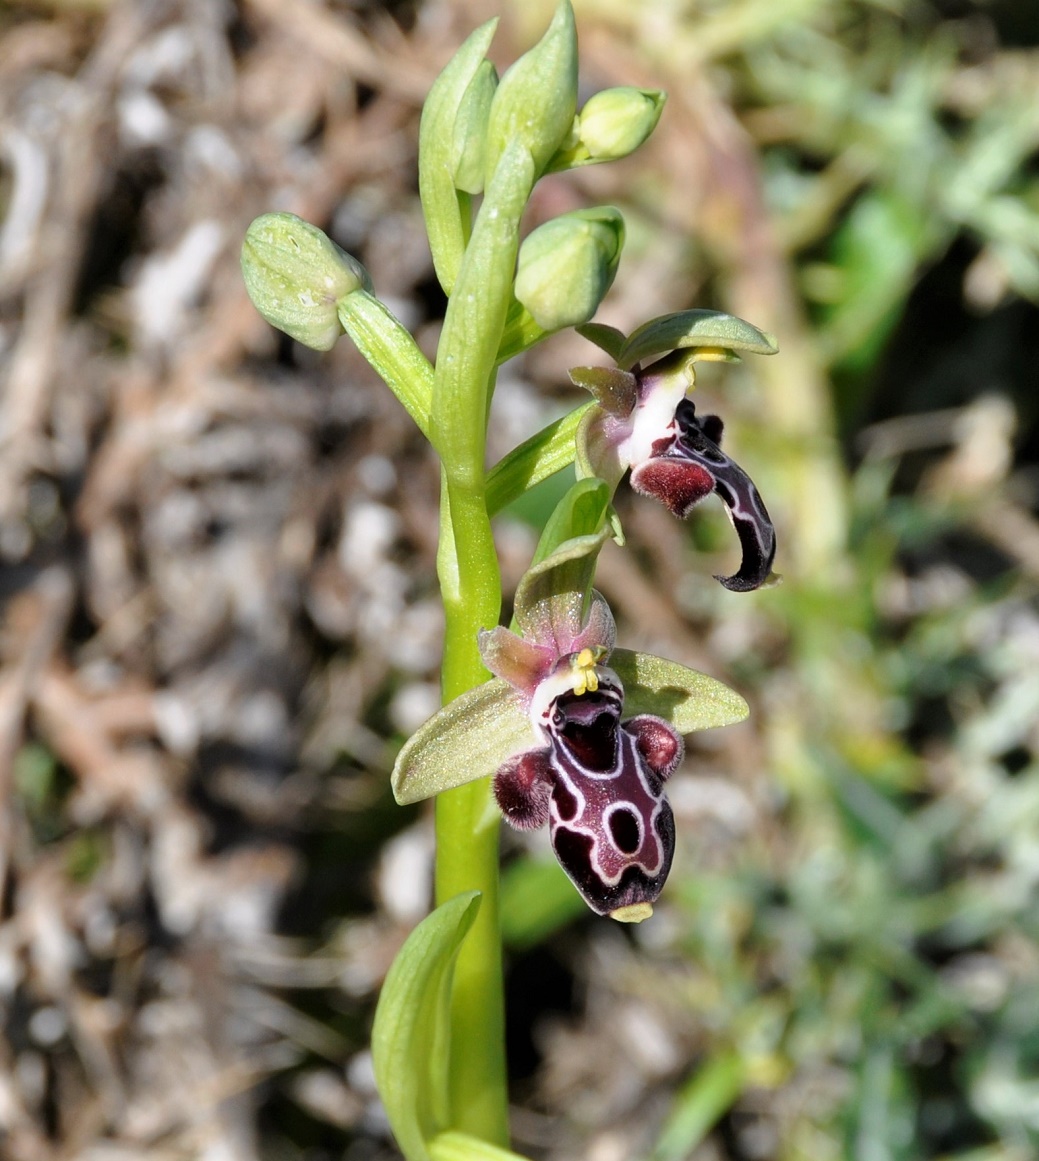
(583, 745)
(645, 422)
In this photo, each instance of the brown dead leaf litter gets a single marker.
(219, 613)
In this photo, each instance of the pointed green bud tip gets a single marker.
(537, 98)
(567, 265)
(296, 276)
(615, 122)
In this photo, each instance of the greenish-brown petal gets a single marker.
(615, 391)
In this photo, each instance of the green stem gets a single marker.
(467, 830)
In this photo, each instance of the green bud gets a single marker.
(567, 265)
(537, 98)
(296, 276)
(469, 136)
(615, 122)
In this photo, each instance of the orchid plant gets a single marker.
(547, 722)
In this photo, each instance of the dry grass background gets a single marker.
(219, 614)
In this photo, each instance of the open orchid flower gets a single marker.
(645, 423)
(572, 741)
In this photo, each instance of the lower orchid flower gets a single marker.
(645, 423)
(572, 741)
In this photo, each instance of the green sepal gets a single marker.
(296, 276)
(541, 456)
(455, 1146)
(687, 699)
(446, 214)
(410, 1034)
(719, 335)
(606, 338)
(536, 99)
(468, 739)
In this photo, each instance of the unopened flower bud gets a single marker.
(296, 276)
(537, 98)
(469, 134)
(615, 122)
(567, 265)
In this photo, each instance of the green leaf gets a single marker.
(409, 1037)
(699, 1104)
(711, 330)
(468, 739)
(541, 456)
(454, 1146)
(689, 700)
(447, 217)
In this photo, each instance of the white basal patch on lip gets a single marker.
(652, 419)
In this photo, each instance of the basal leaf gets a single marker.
(409, 1048)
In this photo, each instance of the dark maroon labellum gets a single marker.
(687, 467)
(599, 785)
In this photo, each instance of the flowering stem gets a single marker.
(467, 829)
(467, 566)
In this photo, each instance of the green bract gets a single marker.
(296, 277)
